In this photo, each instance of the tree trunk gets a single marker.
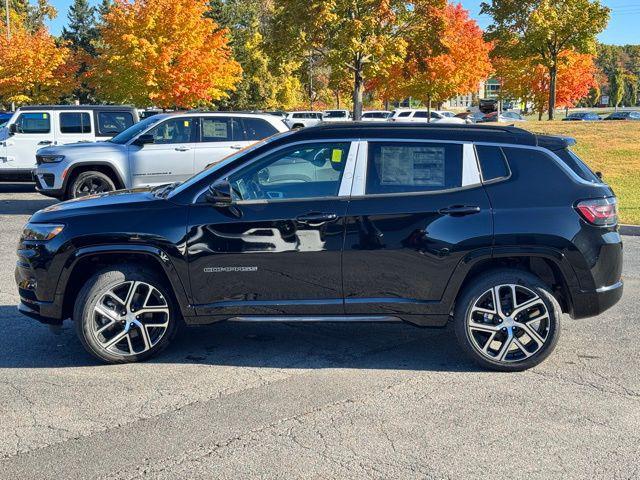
(553, 76)
(337, 99)
(358, 83)
(429, 109)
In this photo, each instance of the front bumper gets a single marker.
(593, 303)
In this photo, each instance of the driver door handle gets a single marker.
(459, 210)
(316, 218)
(182, 149)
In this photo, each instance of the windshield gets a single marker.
(134, 130)
(225, 161)
(335, 114)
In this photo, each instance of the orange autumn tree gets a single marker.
(446, 56)
(529, 81)
(33, 69)
(163, 53)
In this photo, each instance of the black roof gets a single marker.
(435, 131)
(76, 107)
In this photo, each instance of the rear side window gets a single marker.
(112, 123)
(404, 114)
(256, 128)
(413, 167)
(33, 123)
(492, 162)
(577, 165)
(75, 122)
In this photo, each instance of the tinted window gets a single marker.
(298, 115)
(404, 114)
(375, 115)
(413, 167)
(134, 130)
(306, 171)
(422, 115)
(492, 162)
(256, 128)
(112, 123)
(176, 130)
(219, 129)
(33, 123)
(577, 165)
(75, 122)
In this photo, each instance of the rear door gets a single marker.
(219, 136)
(109, 123)
(417, 209)
(169, 158)
(73, 126)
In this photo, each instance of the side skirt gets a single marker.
(416, 320)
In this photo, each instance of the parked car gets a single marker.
(471, 117)
(582, 117)
(31, 128)
(506, 117)
(376, 115)
(488, 105)
(445, 113)
(336, 115)
(302, 119)
(628, 115)
(5, 117)
(167, 147)
(422, 116)
(442, 223)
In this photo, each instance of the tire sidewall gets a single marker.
(87, 174)
(485, 282)
(93, 290)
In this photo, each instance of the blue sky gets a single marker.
(622, 29)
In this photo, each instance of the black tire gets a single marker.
(92, 292)
(296, 126)
(101, 181)
(477, 289)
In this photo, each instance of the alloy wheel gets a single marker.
(130, 318)
(508, 323)
(91, 186)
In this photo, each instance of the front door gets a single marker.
(277, 250)
(169, 158)
(34, 130)
(421, 210)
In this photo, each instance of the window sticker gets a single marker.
(418, 166)
(187, 123)
(45, 115)
(215, 129)
(336, 155)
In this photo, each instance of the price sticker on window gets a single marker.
(45, 115)
(187, 123)
(336, 155)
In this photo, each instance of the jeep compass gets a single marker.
(494, 229)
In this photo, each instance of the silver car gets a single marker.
(161, 149)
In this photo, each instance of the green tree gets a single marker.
(544, 29)
(81, 33)
(102, 9)
(616, 87)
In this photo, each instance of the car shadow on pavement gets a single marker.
(17, 187)
(23, 207)
(27, 344)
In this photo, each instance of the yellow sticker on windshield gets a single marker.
(44, 115)
(336, 155)
(186, 123)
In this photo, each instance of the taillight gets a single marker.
(602, 212)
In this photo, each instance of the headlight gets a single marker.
(40, 231)
(50, 158)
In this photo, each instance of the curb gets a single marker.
(632, 230)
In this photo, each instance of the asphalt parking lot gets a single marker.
(314, 401)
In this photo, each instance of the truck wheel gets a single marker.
(125, 314)
(90, 183)
(507, 320)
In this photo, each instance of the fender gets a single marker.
(159, 255)
(100, 163)
(521, 251)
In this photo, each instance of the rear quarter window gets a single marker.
(493, 163)
(578, 167)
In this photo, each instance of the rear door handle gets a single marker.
(236, 147)
(459, 210)
(182, 149)
(45, 142)
(316, 218)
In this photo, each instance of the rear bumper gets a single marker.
(592, 303)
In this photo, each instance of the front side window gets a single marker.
(33, 123)
(305, 171)
(112, 123)
(175, 130)
(413, 167)
(75, 122)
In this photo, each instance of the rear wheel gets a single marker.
(125, 314)
(507, 320)
(90, 183)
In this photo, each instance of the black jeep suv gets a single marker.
(494, 228)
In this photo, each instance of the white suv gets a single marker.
(336, 115)
(302, 119)
(164, 148)
(423, 116)
(31, 128)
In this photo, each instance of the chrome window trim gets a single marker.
(497, 179)
(352, 141)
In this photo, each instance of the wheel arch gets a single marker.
(87, 261)
(101, 166)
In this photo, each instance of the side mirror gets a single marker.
(599, 175)
(219, 194)
(143, 140)
(13, 129)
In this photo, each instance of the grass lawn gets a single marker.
(612, 148)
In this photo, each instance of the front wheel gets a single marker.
(90, 183)
(125, 314)
(507, 320)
